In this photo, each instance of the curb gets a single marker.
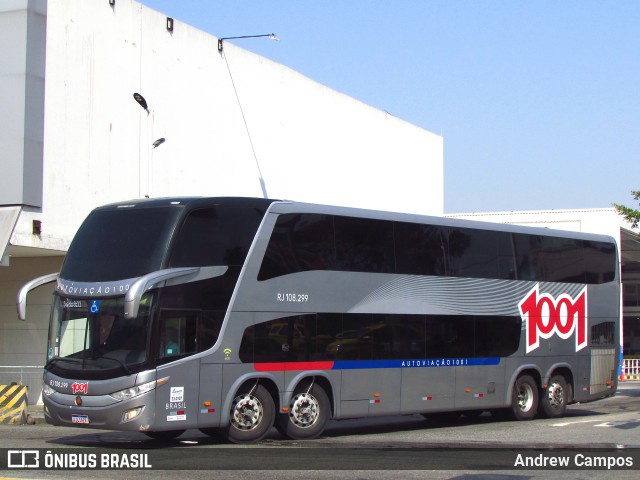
(35, 414)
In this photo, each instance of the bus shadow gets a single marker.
(410, 423)
(135, 440)
(335, 428)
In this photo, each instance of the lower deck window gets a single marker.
(186, 332)
(328, 336)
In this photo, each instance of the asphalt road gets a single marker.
(391, 447)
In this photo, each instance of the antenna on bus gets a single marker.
(271, 36)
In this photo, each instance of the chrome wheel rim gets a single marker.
(246, 412)
(555, 394)
(525, 397)
(304, 410)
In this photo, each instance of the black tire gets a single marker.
(251, 416)
(554, 399)
(164, 436)
(524, 399)
(308, 414)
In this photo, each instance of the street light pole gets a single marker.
(140, 100)
(272, 36)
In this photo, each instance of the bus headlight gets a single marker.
(133, 392)
(47, 390)
(131, 414)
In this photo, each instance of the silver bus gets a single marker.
(234, 315)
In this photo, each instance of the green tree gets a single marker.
(630, 214)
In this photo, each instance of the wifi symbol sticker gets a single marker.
(227, 353)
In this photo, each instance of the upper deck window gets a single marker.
(305, 242)
(115, 244)
(216, 236)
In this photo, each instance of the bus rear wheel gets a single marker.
(553, 401)
(252, 415)
(524, 400)
(308, 414)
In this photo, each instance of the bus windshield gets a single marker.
(118, 243)
(93, 335)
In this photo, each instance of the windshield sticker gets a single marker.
(95, 306)
(73, 304)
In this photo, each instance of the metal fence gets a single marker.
(630, 369)
(31, 376)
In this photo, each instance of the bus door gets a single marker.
(177, 398)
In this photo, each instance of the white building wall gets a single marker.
(604, 221)
(226, 119)
(23, 344)
(22, 70)
(310, 143)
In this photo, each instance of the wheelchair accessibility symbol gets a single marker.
(95, 306)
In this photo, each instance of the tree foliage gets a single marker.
(631, 215)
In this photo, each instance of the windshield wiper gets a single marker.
(119, 362)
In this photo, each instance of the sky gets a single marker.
(538, 102)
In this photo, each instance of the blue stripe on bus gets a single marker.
(425, 363)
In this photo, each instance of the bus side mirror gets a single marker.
(21, 301)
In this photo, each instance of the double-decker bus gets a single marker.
(232, 315)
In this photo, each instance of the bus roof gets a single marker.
(289, 206)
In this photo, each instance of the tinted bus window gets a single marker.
(526, 250)
(114, 244)
(600, 261)
(215, 236)
(332, 336)
(420, 249)
(497, 336)
(328, 329)
(561, 260)
(364, 245)
(555, 259)
(480, 254)
(303, 242)
(186, 332)
(299, 242)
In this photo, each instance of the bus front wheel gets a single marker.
(308, 414)
(553, 400)
(524, 400)
(251, 417)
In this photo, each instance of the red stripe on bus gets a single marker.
(288, 366)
